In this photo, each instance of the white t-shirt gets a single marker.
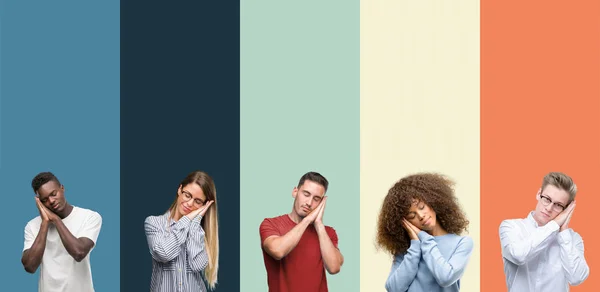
(59, 271)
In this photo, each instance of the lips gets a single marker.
(305, 209)
(185, 209)
(428, 221)
(55, 206)
(546, 215)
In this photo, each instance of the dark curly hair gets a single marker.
(433, 189)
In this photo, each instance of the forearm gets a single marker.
(519, 251)
(405, 268)
(195, 246)
(281, 246)
(165, 246)
(32, 257)
(572, 258)
(446, 271)
(332, 257)
(72, 244)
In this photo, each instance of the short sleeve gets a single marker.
(92, 226)
(333, 236)
(267, 228)
(30, 235)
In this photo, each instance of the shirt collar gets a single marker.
(531, 219)
(167, 217)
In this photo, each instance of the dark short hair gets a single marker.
(41, 179)
(314, 177)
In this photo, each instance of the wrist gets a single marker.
(319, 225)
(306, 221)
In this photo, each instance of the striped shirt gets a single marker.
(178, 253)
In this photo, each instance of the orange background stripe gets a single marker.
(540, 112)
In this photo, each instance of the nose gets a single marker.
(421, 215)
(549, 208)
(189, 203)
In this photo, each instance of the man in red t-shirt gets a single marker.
(298, 247)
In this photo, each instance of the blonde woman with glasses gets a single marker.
(184, 241)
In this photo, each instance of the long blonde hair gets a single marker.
(210, 222)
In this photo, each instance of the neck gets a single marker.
(437, 231)
(176, 215)
(295, 217)
(535, 218)
(66, 211)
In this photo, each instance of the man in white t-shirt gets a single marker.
(60, 239)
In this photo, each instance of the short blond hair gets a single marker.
(561, 181)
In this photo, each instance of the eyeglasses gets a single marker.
(187, 196)
(546, 201)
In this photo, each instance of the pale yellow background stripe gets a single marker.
(419, 112)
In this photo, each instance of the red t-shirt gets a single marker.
(302, 269)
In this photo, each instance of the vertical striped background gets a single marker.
(493, 94)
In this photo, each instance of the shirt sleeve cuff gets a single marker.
(564, 237)
(553, 225)
(197, 220)
(424, 235)
(183, 221)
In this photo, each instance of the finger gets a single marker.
(569, 217)
(205, 209)
(323, 207)
(39, 204)
(406, 225)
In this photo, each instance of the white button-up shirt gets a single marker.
(540, 258)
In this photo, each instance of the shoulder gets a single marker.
(330, 231)
(34, 223)
(87, 213)
(273, 221)
(575, 235)
(153, 219)
(466, 241)
(511, 223)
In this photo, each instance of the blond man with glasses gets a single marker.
(541, 252)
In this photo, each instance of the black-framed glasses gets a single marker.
(546, 201)
(187, 196)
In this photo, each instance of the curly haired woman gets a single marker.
(420, 224)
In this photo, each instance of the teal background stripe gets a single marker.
(60, 113)
(299, 101)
